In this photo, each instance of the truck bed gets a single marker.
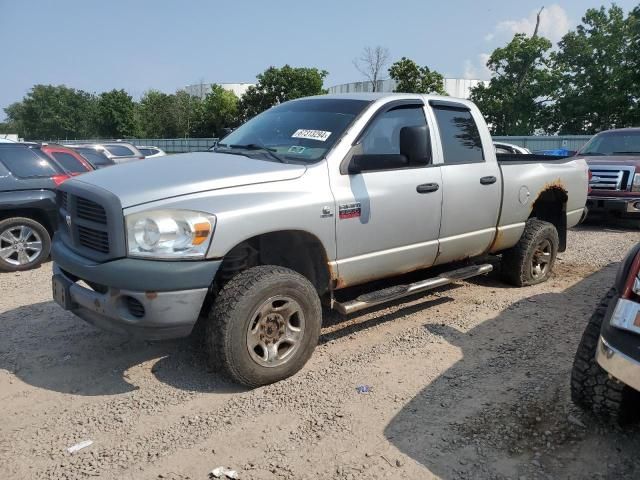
(533, 157)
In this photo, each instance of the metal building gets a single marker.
(455, 87)
(200, 90)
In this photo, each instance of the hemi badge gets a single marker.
(349, 210)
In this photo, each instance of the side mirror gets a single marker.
(367, 163)
(414, 144)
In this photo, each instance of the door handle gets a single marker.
(427, 188)
(488, 180)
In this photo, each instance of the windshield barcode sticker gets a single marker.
(319, 135)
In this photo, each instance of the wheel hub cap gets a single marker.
(275, 331)
(20, 245)
(541, 259)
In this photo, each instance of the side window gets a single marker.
(69, 162)
(459, 135)
(24, 163)
(120, 150)
(383, 135)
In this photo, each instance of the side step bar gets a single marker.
(393, 293)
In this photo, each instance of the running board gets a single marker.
(393, 293)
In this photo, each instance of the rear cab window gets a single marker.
(23, 162)
(69, 162)
(459, 135)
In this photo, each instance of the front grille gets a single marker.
(88, 210)
(610, 178)
(93, 239)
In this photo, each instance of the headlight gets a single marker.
(169, 234)
(635, 186)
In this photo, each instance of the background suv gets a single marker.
(28, 210)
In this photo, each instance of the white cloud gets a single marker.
(477, 69)
(554, 23)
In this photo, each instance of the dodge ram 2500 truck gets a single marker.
(307, 198)
(613, 157)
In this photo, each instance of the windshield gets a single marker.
(300, 130)
(623, 142)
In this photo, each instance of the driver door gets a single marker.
(387, 221)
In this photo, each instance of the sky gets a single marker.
(98, 45)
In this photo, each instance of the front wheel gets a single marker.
(592, 387)
(264, 325)
(531, 261)
(24, 244)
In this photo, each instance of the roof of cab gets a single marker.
(382, 97)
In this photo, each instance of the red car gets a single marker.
(606, 370)
(71, 161)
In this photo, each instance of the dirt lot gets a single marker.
(468, 382)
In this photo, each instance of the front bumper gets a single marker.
(618, 349)
(147, 299)
(626, 206)
(619, 365)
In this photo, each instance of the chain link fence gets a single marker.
(180, 145)
(169, 145)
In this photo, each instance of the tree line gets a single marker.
(588, 82)
(58, 111)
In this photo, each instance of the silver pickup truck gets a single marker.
(308, 198)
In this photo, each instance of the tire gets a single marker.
(32, 248)
(592, 388)
(251, 347)
(538, 239)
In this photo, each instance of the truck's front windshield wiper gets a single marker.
(254, 146)
(592, 153)
(626, 153)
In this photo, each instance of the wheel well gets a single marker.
(551, 206)
(300, 251)
(32, 213)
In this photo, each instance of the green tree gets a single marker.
(598, 86)
(412, 78)
(518, 98)
(277, 85)
(187, 114)
(155, 115)
(115, 114)
(218, 110)
(53, 112)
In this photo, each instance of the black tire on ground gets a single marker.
(9, 259)
(539, 238)
(592, 388)
(234, 317)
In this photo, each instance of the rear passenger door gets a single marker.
(471, 185)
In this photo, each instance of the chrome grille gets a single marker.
(88, 210)
(93, 239)
(604, 177)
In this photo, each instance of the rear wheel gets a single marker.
(592, 387)
(24, 244)
(531, 261)
(264, 325)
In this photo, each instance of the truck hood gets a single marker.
(628, 160)
(174, 175)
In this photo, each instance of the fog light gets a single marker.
(636, 205)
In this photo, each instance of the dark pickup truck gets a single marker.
(613, 157)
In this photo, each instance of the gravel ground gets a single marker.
(470, 381)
